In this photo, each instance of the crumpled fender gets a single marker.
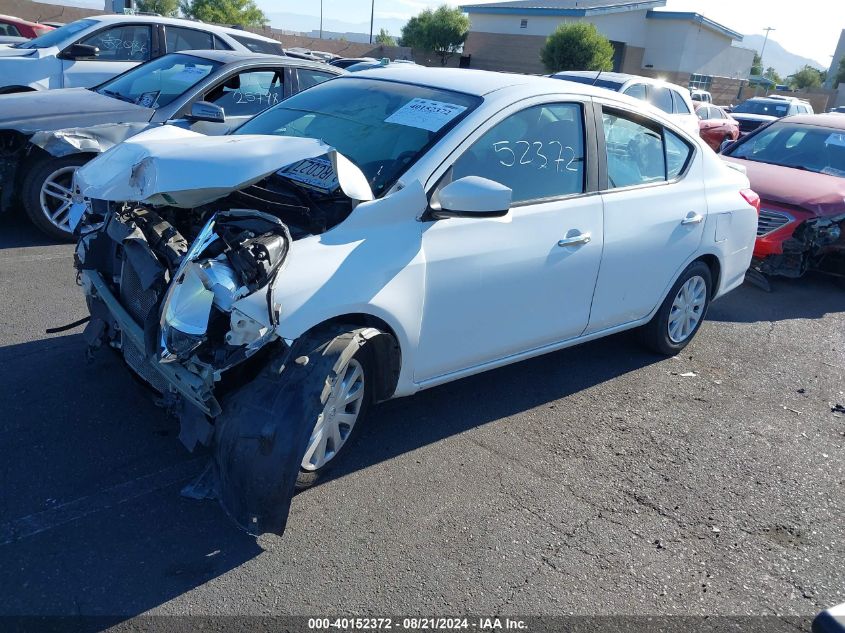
(89, 140)
(177, 167)
(263, 433)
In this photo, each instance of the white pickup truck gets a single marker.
(90, 51)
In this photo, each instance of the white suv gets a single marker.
(671, 98)
(92, 50)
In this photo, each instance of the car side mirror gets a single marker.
(725, 145)
(205, 111)
(473, 197)
(80, 51)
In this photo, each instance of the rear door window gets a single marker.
(681, 106)
(637, 91)
(661, 97)
(179, 39)
(309, 77)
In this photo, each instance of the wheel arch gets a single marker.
(385, 343)
(715, 267)
(7, 90)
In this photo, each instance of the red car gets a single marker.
(797, 166)
(715, 125)
(15, 27)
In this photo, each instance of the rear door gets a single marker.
(121, 47)
(654, 213)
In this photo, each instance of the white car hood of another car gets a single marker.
(178, 167)
(7, 50)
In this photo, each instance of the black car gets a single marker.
(46, 136)
(758, 111)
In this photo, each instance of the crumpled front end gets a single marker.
(178, 269)
(815, 244)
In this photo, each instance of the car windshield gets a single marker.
(56, 36)
(381, 126)
(769, 108)
(806, 147)
(157, 83)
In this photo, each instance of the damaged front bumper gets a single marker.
(815, 244)
(190, 386)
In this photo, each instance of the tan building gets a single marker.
(686, 48)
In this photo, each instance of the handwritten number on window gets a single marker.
(502, 146)
(565, 161)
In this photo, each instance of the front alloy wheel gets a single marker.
(338, 417)
(48, 194)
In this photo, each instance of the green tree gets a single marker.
(757, 65)
(839, 78)
(385, 39)
(807, 77)
(168, 8)
(577, 46)
(772, 74)
(442, 31)
(241, 12)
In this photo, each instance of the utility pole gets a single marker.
(321, 19)
(372, 15)
(768, 30)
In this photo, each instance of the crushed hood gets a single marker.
(177, 167)
(47, 110)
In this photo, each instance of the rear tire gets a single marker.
(682, 312)
(46, 194)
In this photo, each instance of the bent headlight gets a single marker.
(184, 315)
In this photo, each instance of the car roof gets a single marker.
(620, 78)
(474, 82)
(828, 119)
(213, 28)
(12, 18)
(229, 57)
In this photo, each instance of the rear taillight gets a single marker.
(751, 198)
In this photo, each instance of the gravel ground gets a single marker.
(597, 480)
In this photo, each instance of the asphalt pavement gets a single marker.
(598, 480)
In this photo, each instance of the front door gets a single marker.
(121, 48)
(500, 286)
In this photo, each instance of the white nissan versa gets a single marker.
(386, 232)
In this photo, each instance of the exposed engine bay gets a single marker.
(197, 282)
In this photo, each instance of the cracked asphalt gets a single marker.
(597, 480)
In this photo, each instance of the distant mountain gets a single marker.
(778, 57)
(307, 23)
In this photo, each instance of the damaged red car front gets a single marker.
(797, 165)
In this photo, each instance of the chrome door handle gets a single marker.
(692, 218)
(575, 240)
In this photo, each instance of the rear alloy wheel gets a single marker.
(48, 194)
(681, 313)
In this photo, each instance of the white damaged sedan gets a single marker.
(387, 232)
